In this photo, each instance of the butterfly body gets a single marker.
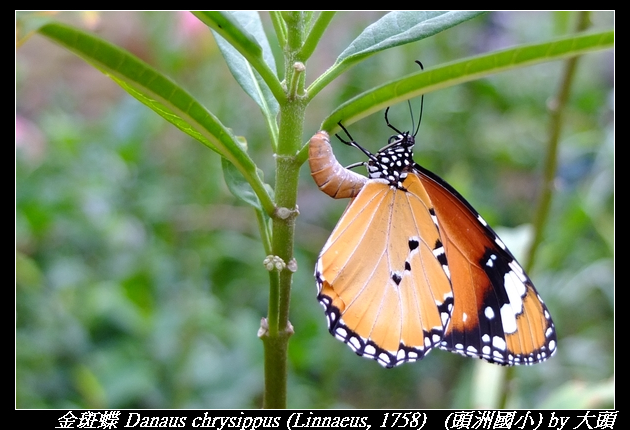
(411, 266)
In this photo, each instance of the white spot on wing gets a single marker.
(518, 270)
(369, 350)
(499, 343)
(354, 343)
(516, 290)
(445, 317)
(384, 360)
(490, 261)
(434, 218)
(488, 312)
(508, 319)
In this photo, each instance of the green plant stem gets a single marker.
(263, 227)
(292, 111)
(279, 27)
(287, 174)
(556, 112)
(557, 107)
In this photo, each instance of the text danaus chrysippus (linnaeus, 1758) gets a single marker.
(412, 266)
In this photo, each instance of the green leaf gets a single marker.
(461, 71)
(160, 94)
(248, 78)
(401, 27)
(315, 34)
(229, 26)
(394, 29)
(238, 185)
(243, 191)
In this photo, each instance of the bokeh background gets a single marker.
(139, 277)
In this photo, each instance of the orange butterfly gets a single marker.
(411, 266)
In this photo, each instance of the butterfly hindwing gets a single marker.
(497, 313)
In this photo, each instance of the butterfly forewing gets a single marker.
(379, 277)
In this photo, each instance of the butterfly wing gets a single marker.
(497, 313)
(382, 276)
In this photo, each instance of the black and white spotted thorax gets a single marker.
(393, 161)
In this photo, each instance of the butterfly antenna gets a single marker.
(413, 124)
(355, 144)
(389, 125)
(421, 105)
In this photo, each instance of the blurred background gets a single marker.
(139, 277)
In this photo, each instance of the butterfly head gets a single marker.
(394, 160)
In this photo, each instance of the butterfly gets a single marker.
(411, 266)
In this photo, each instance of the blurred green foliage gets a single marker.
(139, 277)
